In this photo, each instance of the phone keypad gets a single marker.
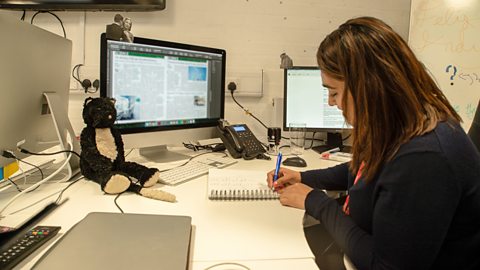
(252, 145)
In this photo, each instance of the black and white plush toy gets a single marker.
(103, 157)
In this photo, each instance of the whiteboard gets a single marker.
(445, 35)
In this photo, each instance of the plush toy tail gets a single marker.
(157, 194)
(153, 193)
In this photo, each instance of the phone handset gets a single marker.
(236, 140)
(231, 142)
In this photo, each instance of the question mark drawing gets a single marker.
(454, 72)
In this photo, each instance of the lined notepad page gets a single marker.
(225, 184)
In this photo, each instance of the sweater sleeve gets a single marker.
(413, 204)
(333, 178)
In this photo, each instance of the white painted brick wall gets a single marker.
(253, 32)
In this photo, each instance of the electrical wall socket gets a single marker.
(248, 83)
(234, 80)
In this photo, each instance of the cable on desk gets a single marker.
(33, 165)
(118, 196)
(227, 264)
(14, 184)
(25, 151)
(115, 201)
(311, 140)
(214, 147)
(34, 186)
(129, 152)
(24, 175)
(59, 198)
(194, 147)
(9, 154)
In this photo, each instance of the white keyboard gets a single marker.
(194, 169)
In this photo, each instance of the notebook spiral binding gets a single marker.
(243, 195)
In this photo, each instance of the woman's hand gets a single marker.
(294, 195)
(285, 177)
(288, 185)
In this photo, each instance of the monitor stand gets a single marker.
(334, 140)
(63, 127)
(161, 154)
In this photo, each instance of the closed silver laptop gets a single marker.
(122, 241)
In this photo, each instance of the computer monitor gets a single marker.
(306, 101)
(33, 62)
(166, 92)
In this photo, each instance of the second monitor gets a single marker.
(306, 101)
(165, 92)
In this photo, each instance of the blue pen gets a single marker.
(277, 168)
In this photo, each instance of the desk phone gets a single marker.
(240, 141)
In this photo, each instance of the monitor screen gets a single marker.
(163, 86)
(306, 101)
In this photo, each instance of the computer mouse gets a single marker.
(295, 162)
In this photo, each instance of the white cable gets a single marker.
(24, 175)
(38, 183)
(227, 264)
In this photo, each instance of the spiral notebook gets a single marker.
(231, 184)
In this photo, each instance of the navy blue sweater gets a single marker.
(421, 211)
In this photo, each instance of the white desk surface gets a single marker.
(259, 234)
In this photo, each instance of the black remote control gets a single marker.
(14, 253)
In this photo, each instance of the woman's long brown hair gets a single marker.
(394, 97)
